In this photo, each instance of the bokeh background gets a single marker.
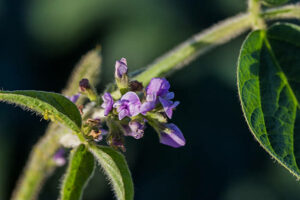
(41, 41)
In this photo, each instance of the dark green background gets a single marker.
(40, 42)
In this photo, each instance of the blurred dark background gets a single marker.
(41, 41)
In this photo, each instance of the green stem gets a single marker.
(254, 7)
(199, 44)
(38, 167)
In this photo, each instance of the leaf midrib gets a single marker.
(282, 74)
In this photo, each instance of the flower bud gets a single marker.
(121, 68)
(135, 86)
(121, 75)
(172, 136)
(88, 90)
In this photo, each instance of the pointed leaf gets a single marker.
(80, 169)
(51, 105)
(269, 89)
(115, 167)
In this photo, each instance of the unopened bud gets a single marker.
(135, 86)
(88, 90)
(84, 85)
(121, 75)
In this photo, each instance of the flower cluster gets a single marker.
(126, 114)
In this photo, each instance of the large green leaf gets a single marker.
(269, 89)
(115, 167)
(80, 169)
(51, 105)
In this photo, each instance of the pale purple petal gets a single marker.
(134, 109)
(147, 106)
(117, 104)
(121, 68)
(132, 97)
(151, 97)
(108, 103)
(123, 113)
(173, 138)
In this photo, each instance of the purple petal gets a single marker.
(169, 95)
(108, 103)
(158, 87)
(168, 106)
(151, 97)
(147, 106)
(134, 129)
(134, 109)
(123, 113)
(174, 138)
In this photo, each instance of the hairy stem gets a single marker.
(218, 34)
(254, 7)
(40, 165)
(38, 168)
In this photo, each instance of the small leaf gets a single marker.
(269, 89)
(80, 169)
(274, 2)
(88, 67)
(51, 105)
(115, 167)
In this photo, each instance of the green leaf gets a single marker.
(269, 90)
(80, 169)
(115, 167)
(51, 105)
(274, 2)
(88, 67)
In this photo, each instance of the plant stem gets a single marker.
(209, 38)
(254, 8)
(38, 167)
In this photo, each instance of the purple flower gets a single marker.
(158, 91)
(172, 136)
(120, 68)
(129, 105)
(59, 158)
(135, 129)
(74, 98)
(107, 103)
